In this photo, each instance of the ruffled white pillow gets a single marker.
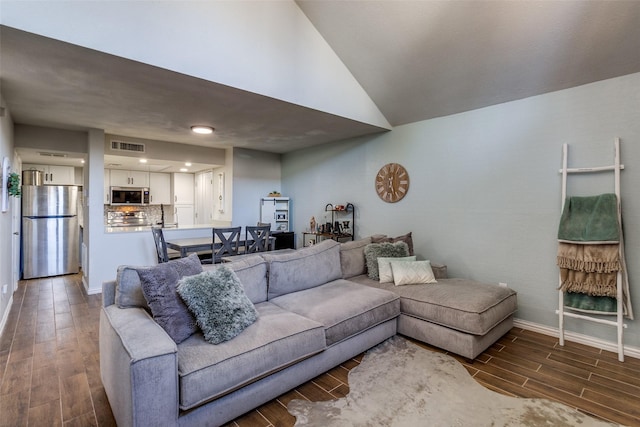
(412, 272)
(384, 267)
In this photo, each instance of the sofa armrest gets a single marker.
(108, 293)
(439, 270)
(138, 367)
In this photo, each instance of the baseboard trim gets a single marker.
(576, 337)
(88, 289)
(5, 317)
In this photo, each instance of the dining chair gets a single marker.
(256, 238)
(164, 254)
(229, 239)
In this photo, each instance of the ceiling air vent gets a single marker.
(135, 147)
(47, 154)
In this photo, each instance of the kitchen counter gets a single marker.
(166, 229)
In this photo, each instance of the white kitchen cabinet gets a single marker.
(54, 174)
(183, 189)
(275, 210)
(126, 178)
(204, 197)
(159, 188)
(184, 215)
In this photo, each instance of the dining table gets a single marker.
(202, 244)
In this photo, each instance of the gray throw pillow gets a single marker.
(219, 303)
(159, 287)
(386, 249)
(407, 238)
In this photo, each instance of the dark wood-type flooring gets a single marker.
(49, 367)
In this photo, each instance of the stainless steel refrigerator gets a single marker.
(49, 230)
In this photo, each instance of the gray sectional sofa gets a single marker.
(316, 309)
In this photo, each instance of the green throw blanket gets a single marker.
(590, 219)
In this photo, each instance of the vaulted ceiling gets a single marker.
(415, 59)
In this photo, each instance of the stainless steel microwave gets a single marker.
(129, 196)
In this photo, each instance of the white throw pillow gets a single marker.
(411, 273)
(384, 269)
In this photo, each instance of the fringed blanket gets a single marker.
(591, 249)
(589, 258)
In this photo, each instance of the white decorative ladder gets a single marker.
(562, 310)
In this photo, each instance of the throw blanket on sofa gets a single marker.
(591, 249)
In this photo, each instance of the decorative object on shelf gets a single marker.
(345, 227)
(392, 182)
(337, 223)
(274, 194)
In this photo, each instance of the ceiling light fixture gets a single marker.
(188, 164)
(202, 130)
(183, 169)
(143, 160)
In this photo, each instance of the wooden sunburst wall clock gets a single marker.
(392, 182)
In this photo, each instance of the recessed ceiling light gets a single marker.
(188, 164)
(143, 160)
(183, 169)
(203, 130)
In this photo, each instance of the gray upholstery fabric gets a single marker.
(252, 272)
(467, 345)
(461, 304)
(217, 300)
(232, 405)
(137, 358)
(439, 271)
(277, 339)
(343, 307)
(352, 259)
(159, 289)
(303, 269)
(108, 293)
(128, 290)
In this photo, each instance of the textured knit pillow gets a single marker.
(384, 267)
(219, 303)
(412, 272)
(407, 238)
(158, 285)
(375, 250)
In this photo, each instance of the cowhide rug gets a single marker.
(400, 384)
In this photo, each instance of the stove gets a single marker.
(127, 219)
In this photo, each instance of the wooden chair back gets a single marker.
(161, 245)
(229, 242)
(256, 238)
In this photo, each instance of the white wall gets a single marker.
(6, 228)
(255, 175)
(211, 40)
(485, 188)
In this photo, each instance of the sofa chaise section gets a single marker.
(459, 315)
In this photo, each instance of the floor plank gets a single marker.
(50, 376)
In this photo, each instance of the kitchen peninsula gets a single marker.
(135, 245)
